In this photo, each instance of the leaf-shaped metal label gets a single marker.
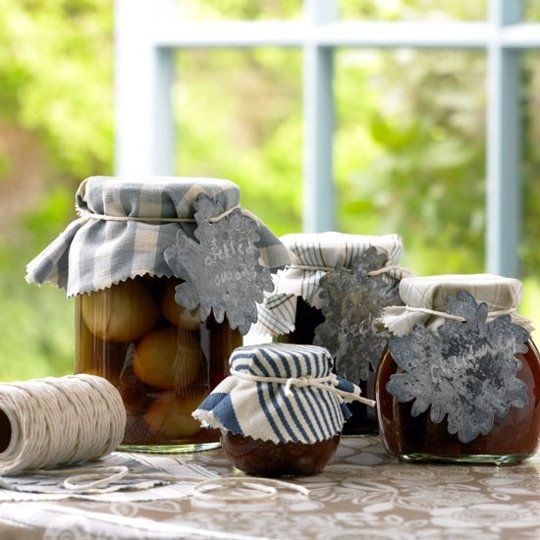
(351, 302)
(466, 371)
(221, 271)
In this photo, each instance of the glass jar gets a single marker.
(205, 252)
(511, 440)
(460, 379)
(295, 311)
(281, 411)
(162, 359)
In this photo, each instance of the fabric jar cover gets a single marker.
(270, 411)
(501, 294)
(324, 250)
(94, 254)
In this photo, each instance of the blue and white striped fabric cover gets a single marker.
(263, 410)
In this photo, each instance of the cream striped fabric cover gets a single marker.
(330, 249)
(431, 292)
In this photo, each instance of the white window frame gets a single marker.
(147, 32)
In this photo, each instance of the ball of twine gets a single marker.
(56, 421)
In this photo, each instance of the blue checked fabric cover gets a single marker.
(92, 254)
(330, 249)
(263, 410)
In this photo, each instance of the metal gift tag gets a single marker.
(221, 271)
(466, 370)
(352, 300)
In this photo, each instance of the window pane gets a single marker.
(240, 9)
(239, 117)
(413, 9)
(532, 10)
(531, 199)
(410, 153)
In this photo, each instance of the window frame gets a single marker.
(147, 32)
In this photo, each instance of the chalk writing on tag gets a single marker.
(221, 271)
(464, 370)
(352, 300)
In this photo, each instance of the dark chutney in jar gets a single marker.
(511, 440)
(266, 458)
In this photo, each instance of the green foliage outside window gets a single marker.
(409, 143)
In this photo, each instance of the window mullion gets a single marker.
(318, 103)
(503, 193)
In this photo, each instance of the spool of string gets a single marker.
(56, 421)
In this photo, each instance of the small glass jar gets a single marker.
(317, 255)
(436, 402)
(281, 411)
(162, 359)
(512, 439)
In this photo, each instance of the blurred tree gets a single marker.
(409, 142)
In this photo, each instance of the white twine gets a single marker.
(85, 214)
(371, 273)
(99, 480)
(60, 421)
(427, 311)
(253, 489)
(328, 383)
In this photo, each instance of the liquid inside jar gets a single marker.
(364, 418)
(512, 438)
(267, 458)
(159, 356)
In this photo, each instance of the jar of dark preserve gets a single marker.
(295, 311)
(144, 318)
(281, 411)
(460, 381)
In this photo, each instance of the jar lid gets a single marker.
(501, 294)
(125, 226)
(280, 393)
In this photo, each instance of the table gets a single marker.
(363, 494)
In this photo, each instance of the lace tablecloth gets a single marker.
(363, 494)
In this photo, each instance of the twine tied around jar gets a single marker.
(449, 316)
(371, 273)
(328, 383)
(85, 214)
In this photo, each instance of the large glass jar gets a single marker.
(166, 274)
(162, 359)
(511, 440)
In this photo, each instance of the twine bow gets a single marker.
(329, 383)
